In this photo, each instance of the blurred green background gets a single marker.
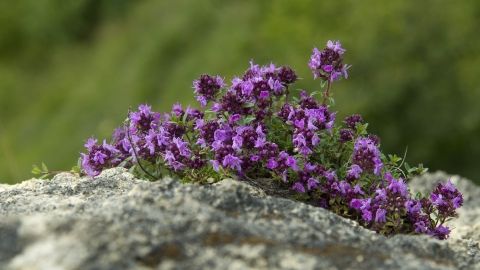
(71, 69)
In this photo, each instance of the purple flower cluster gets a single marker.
(307, 120)
(442, 204)
(252, 130)
(328, 63)
(254, 93)
(99, 156)
(207, 87)
(352, 121)
(367, 156)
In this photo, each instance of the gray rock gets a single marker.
(118, 222)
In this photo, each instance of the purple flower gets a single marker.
(221, 135)
(398, 186)
(344, 187)
(143, 119)
(299, 123)
(276, 86)
(449, 187)
(151, 141)
(177, 110)
(272, 164)
(254, 158)
(367, 156)
(215, 165)
(298, 187)
(420, 227)
(360, 204)
(354, 172)
(437, 199)
(177, 166)
(374, 138)
(328, 64)
(367, 215)
(315, 140)
(380, 215)
(264, 95)
(335, 46)
(207, 131)
(247, 88)
(231, 103)
(457, 201)
(234, 118)
(381, 194)
(356, 203)
(232, 162)
(182, 147)
(99, 157)
(413, 207)
(120, 142)
(346, 135)
(352, 121)
(331, 175)
(169, 156)
(237, 142)
(446, 198)
(216, 107)
(207, 87)
(299, 140)
(307, 101)
(193, 114)
(312, 183)
(291, 162)
(252, 131)
(441, 232)
(357, 189)
(287, 75)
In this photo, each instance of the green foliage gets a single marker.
(68, 69)
(42, 171)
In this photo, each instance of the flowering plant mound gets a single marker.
(256, 128)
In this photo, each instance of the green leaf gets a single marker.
(209, 114)
(184, 117)
(248, 119)
(75, 169)
(44, 167)
(407, 166)
(314, 93)
(36, 170)
(331, 101)
(362, 129)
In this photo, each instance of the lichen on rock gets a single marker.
(118, 222)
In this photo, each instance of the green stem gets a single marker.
(326, 94)
(135, 153)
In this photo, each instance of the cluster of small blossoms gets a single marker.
(251, 129)
(206, 88)
(328, 63)
(307, 120)
(99, 156)
(367, 156)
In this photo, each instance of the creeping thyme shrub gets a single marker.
(257, 127)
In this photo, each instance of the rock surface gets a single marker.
(118, 222)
